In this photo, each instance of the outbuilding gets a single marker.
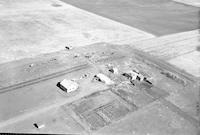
(103, 78)
(68, 85)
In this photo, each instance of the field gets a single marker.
(96, 107)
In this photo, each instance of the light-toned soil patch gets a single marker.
(195, 3)
(189, 62)
(27, 31)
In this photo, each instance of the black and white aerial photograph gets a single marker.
(100, 67)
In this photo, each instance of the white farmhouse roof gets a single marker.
(115, 70)
(134, 75)
(105, 79)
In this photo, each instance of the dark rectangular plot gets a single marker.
(83, 106)
(155, 92)
(134, 96)
(99, 109)
(113, 111)
(91, 102)
(94, 120)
